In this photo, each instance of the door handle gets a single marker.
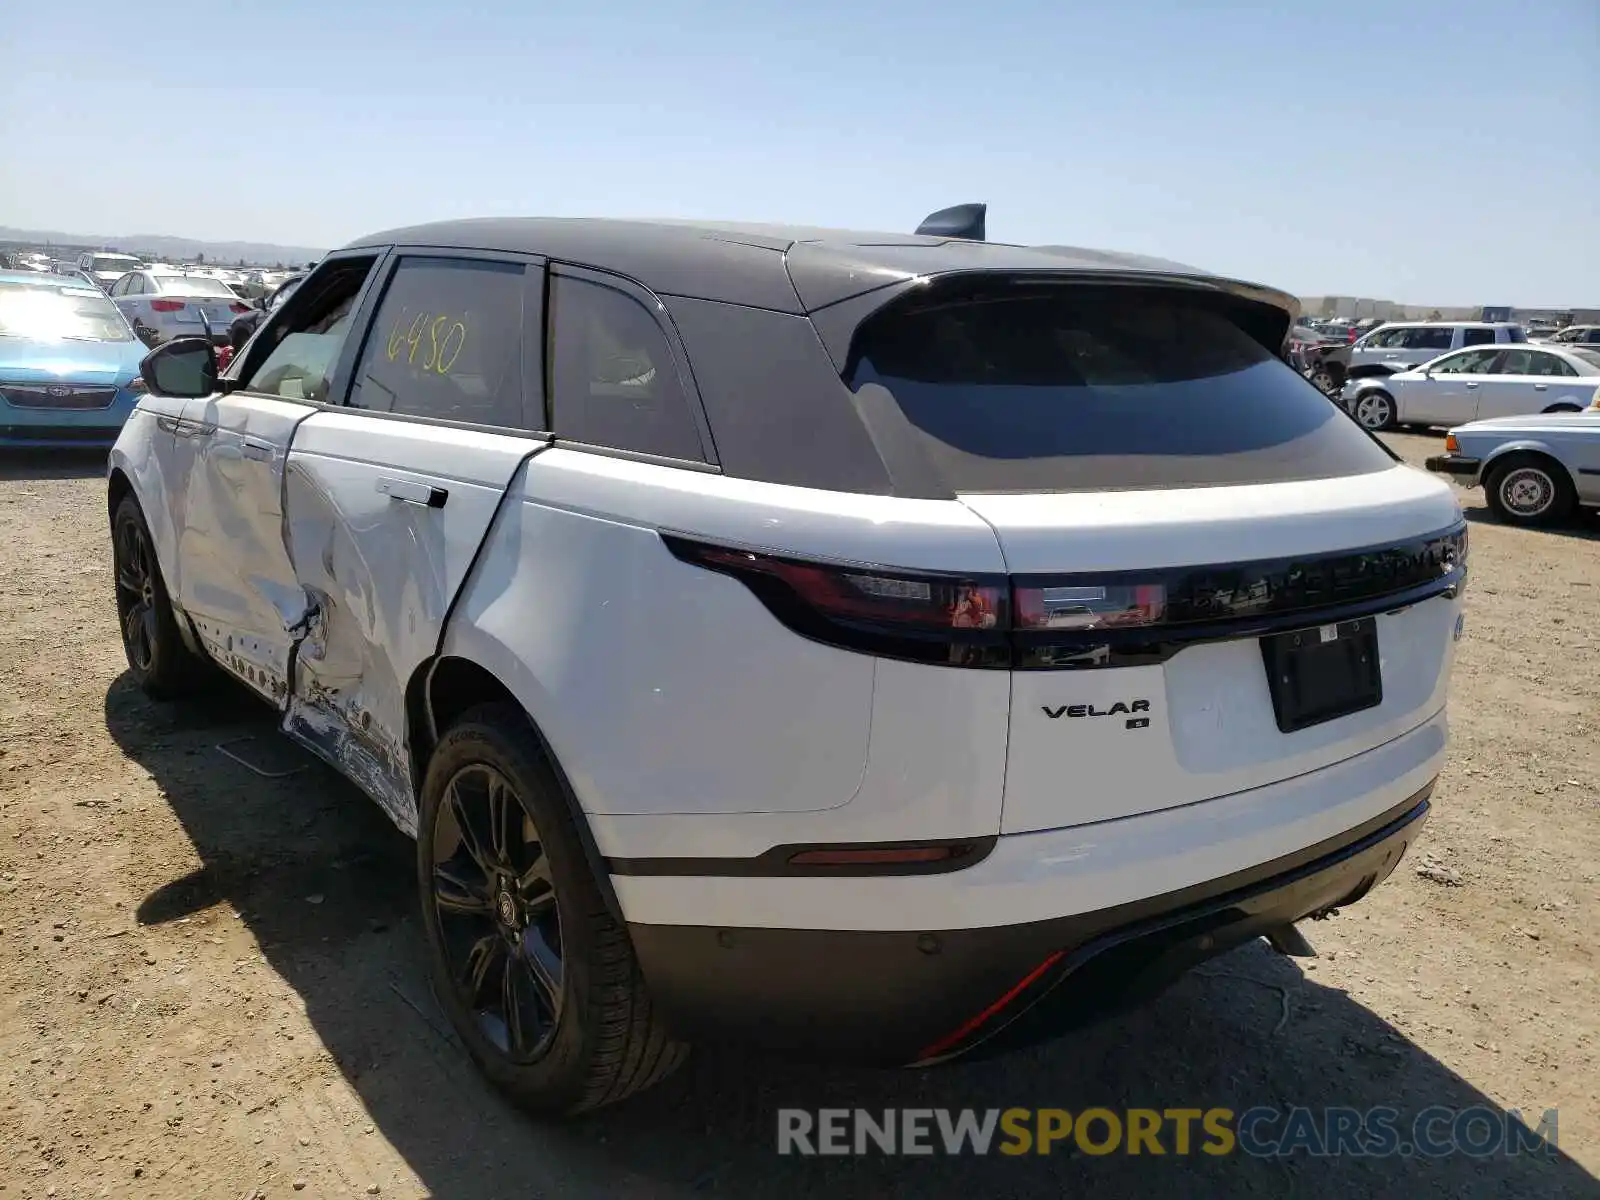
(257, 449)
(1541, 387)
(408, 492)
(1472, 385)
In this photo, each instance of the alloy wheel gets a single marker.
(1528, 491)
(496, 905)
(1374, 410)
(136, 594)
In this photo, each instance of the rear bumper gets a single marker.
(906, 997)
(1454, 464)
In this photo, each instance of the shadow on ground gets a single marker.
(18, 463)
(1583, 525)
(1251, 1031)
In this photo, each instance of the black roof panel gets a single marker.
(789, 268)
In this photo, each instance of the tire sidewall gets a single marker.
(556, 1079)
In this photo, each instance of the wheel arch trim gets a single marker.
(472, 646)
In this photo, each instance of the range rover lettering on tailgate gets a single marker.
(866, 645)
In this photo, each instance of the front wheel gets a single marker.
(1529, 490)
(537, 977)
(158, 658)
(1375, 410)
(1323, 380)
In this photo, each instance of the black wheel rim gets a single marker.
(136, 595)
(499, 926)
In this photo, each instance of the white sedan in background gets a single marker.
(1481, 382)
(166, 304)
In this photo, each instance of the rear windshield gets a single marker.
(194, 285)
(113, 263)
(1087, 388)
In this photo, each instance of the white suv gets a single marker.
(865, 645)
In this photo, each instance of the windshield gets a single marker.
(195, 285)
(57, 313)
(114, 262)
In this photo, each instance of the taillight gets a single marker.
(238, 308)
(167, 305)
(1451, 446)
(1090, 607)
(956, 620)
(1049, 622)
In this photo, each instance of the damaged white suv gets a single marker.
(866, 645)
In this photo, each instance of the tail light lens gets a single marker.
(1451, 446)
(1090, 607)
(236, 307)
(166, 305)
(956, 620)
(1038, 622)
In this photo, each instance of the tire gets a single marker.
(1529, 489)
(1374, 410)
(522, 914)
(159, 659)
(1322, 379)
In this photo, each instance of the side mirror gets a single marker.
(183, 369)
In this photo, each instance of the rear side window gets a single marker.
(613, 379)
(447, 342)
(1480, 337)
(1086, 388)
(1432, 339)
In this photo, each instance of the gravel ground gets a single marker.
(211, 983)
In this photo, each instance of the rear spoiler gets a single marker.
(957, 221)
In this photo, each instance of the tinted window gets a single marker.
(1468, 362)
(1385, 339)
(1592, 357)
(1430, 339)
(1094, 388)
(447, 342)
(1516, 334)
(1478, 337)
(614, 382)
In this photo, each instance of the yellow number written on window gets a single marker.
(438, 336)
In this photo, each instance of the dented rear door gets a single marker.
(388, 499)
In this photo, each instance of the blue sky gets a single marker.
(1430, 151)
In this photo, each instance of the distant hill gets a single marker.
(162, 247)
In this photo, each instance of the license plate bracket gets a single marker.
(1323, 672)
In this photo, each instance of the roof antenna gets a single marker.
(957, 221)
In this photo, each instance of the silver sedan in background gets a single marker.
(166, 304)
(1535, 470)
(1484, 381)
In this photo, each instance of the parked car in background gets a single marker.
(1575, 335)
(258, 285)
(1534, 470)
(1402, 345)
(105, 268)
(865, 547)
(1485, 381)
(1305, 341)
(69, 363)
(167, 304)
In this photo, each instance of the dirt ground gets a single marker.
(211, 983)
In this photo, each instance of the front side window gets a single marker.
(613, 379)
(1478, 337)
(60, 313)
(447, 343)
(1467, 362)
(1385, 339)
(294, 357)
(1017, 389)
